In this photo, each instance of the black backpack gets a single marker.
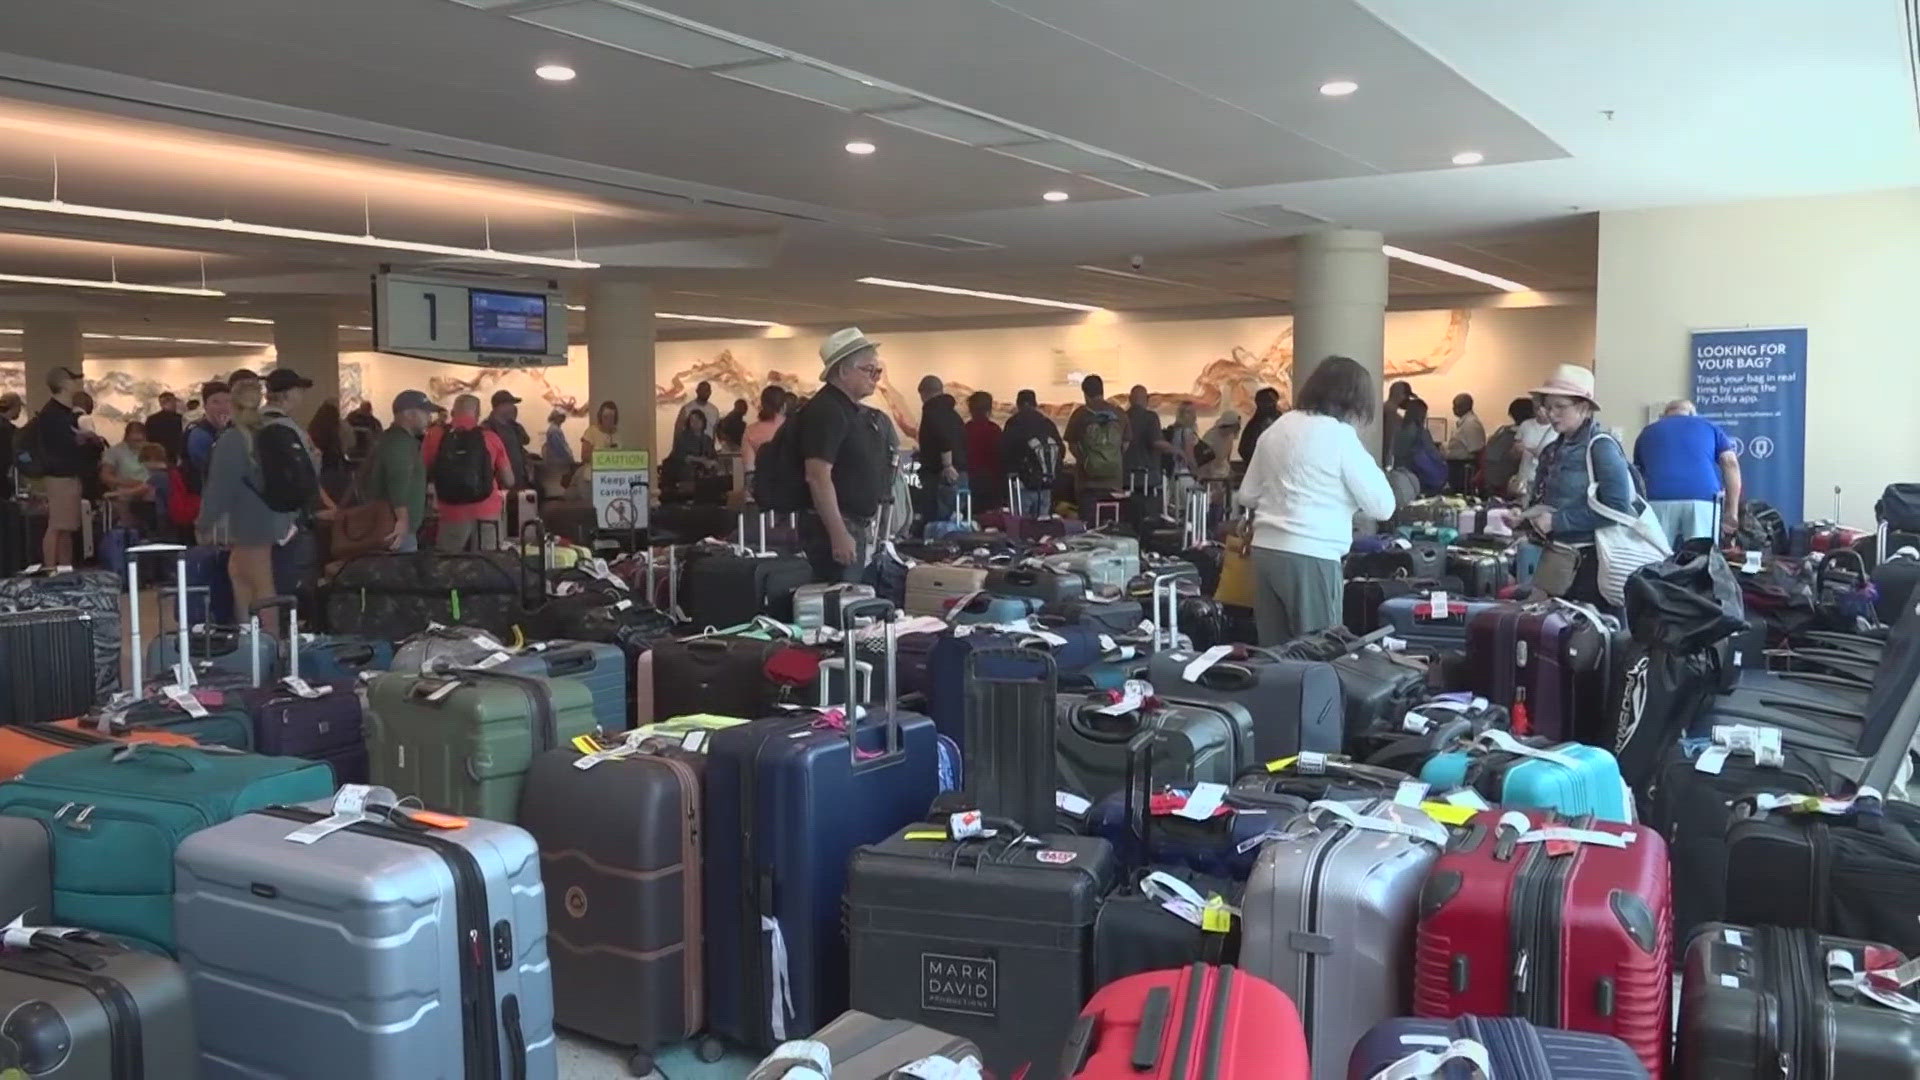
(463, 470)
(289, 482)
(779, 476)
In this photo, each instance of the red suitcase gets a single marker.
(1534, 916)
(1216, 1023)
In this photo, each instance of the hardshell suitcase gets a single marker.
(79, 1006)
(386, 948)
(1049, 584)
(1571, 778)
(1441, 1049)
(26, 872)
(1532, 656)
(720, 673)
(600, 667)
(1432, 622)
(1850, 874)
(1296, 705)
(620, 845)
(1379, 688)
(933, 586)
(1010, 768)
(1565, 924)
(1096, 569)
(865, 1047)
(1329, 916)
(463, 742)
(1204, 742)
(46, 665)
(1195, 1023)
(1127, 547)
(1481, 573)
(116, 813)
(1766, 1001)
(816, 605)
(990, 939)
(95, 592)
(788, 800)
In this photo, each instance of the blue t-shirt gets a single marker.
(1680, 457)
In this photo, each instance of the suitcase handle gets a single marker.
(56, 943)
(1079, 1046)
(569, 662)
(141, 752)
(881, 611)
(1078, 722)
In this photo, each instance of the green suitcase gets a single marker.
(463, 741)
(116, 813)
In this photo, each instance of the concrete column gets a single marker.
(1340, 306)
(308, 341)
(620, 358)
(50, 341)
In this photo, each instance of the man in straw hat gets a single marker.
(843, 454)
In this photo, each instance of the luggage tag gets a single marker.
(18, 935)
(349, 808)
(301, 688)
(1199, 665)
(938, 1067)
(1311, 763)
(493, 661)
(1068, 803)
(183, 697)
(1132, 694)
(1411, 793)
(1203, 802)
(1880, 982)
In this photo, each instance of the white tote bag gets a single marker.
(1630, 542)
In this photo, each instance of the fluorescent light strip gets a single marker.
(228, 225)
(1453, 268)
(96, 283)
(152, 338)
(714, 319)
(952, 291)
(250, 319)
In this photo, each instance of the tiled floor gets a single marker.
(585, 1059)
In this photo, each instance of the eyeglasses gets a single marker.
(872, 370)
(1560, 404)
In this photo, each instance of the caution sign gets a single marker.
(621, 486)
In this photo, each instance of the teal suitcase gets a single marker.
(1535, 774)
(116, 813)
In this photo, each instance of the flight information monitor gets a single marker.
(509, 321)
(470, 320)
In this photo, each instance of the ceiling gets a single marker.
(701, 144)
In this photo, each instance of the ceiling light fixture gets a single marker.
(714, 319)
(96, 283)
(156, 338)
(1056, 196)
(356, 329)
(1339, 87)
(11, 330)
(555, 72)
(982, 294)
(228, 225)
(860, 147)
(1454, 268)
(250, 319)
(1469, 157)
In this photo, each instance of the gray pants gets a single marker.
(1687, 519)
(1293, 595)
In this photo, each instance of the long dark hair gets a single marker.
(1339, 387)
(772, 401)
(324, 429)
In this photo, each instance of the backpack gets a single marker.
(26, 451)
(1500, 461)
(1099, 449)
(1040, 462)
(463, 469)
(779, 477)
(289, 482)
(195, 478)
(1429, 468)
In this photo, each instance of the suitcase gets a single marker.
(94, 592)
(720, 674)
(988, 609)
(1896, 580)
(46, 665)
(1531, 656)
(1481, 573)
(1534, 774)
(1293, 782)
(788, 800)
(1049, 584)
(933, 586)
(26, 872)
(1361, 596)
(1768, 1001)
(865, 1047)
(1327, 914)
(1512, 1048)
(1202, 742)
(79, 1006)
(1115, 616)
(1379, 687)
(1419, 621)
(320, 722)
(330, 658)
(1296, 705)
(1529, 915)
(463, 742)
(1010, 768)
(1194, 1023)
(386, 949)
(600, 667)
(1136, 932)
(989, 938)
(620, 846)
(946, 669)
(728, 589)
(816, 605)
(1429, 728)
(1402, 558)
(1096, 568)
(1853, 874)
(116, 813)
(1127, 547)
(392, 596)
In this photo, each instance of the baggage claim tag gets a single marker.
(349, 807)
(300, 687)
(1133, 694)
(184, 698)
(1203, 802)
(1204, 661)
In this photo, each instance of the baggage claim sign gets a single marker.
(1753, 383)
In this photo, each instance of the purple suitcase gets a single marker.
(325, 727)
(1530, 659)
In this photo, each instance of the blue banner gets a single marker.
(1753, 383)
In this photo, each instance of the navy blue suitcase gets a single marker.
(1514, 1048)
(788, 799)
(946, 683)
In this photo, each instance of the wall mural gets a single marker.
(119, 395)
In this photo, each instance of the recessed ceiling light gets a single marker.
(249, 319)
(1434, 263)
(1469, 157)
(1056, 196)
(984, 295)
(555, 72)
(861, 147)
(1339, 87)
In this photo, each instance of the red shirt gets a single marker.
(487, 508)
(983, 452)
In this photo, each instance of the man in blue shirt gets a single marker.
(1692, 474)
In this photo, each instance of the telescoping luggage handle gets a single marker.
(183, 666)
(881, 611)
(1432, 1064)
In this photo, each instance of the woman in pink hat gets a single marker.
(1560, 513)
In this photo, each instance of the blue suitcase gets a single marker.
(1533, 774)
(788, 799)
(1079, 652)
(1513, 1048)
(602, 667)
(1416, 621)
(327, 658)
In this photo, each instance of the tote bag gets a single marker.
(1631, 542)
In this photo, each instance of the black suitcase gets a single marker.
(1379, 687)
(989, 939)
(1109, 616)
(82, 1007)
(1296, 705)
(1772, 1002)
(26, 872)
(1851, 875)
(1362, 596)
(1135, 932)
(1481, 573)
(1426, 729)
(1050, 586)
(46, 665)
(1010, 767)
(718, 674)
(728, 589)
(1896, 580)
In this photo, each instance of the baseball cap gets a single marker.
(282, 378)
(504, 397)
(242, 375)
(411, 399)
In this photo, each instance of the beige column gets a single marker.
(1340, 306)
(308, 341)
(50, 340)
(620, 357)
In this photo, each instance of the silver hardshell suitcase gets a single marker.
(1330, 912)
(818, 604)
(1100, 568)
(1127, 547)
(358, 954)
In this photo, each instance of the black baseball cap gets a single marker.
(504, 397)
(282, 379)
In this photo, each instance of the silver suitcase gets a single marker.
(356, 955)
(1127, 547)
(1330, 912)
(1100, 568)
(932, 586)
(818, 604)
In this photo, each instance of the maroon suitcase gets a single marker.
(1531, 660)
(1193, 1023)
(1535, 916)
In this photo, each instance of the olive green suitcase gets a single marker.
(463, 741)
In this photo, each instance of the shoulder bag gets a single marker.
(1634, 543)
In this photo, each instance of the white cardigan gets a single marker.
(1308, 476)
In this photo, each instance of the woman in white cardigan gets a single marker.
(1308, 476)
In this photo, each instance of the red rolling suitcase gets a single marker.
(1185, 1024)
(1565, 924)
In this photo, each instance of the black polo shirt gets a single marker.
(57, 432)
(833, 427)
